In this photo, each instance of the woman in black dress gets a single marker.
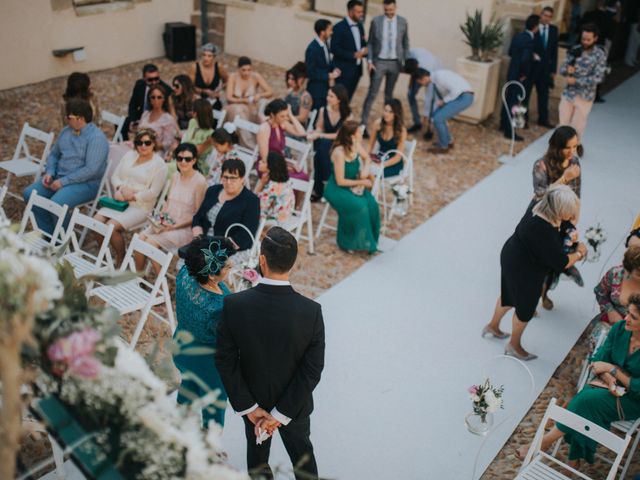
(528, 255)
(208, 76)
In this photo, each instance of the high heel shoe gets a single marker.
(487, 331)
(511, 352)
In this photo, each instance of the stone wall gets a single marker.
(216, 19)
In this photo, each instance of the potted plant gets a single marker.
(480, 69)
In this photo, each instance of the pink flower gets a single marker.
(85, 367)
(251, 276)
(473, 390)
(76, 352)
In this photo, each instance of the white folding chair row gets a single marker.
(625, 427)
(23, 163)
(219, 116)
(139, 294)
(117, 121)
(311, 120)
(83, 262)
(36, 239)
(377, 172)
(302, 217)
(539, 465)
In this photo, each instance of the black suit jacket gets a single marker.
(270, 349)
(549, 55)
(521, 52)
(343, 46)
(317, 70)
(136, 102)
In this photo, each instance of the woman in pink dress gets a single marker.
(185, 196)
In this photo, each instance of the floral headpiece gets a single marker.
(215, 257)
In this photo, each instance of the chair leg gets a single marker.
(312, 249)
(58, 459)
(323, 218)
(144, 314)
(632, 451)
(167, 301)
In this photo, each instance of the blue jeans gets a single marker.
(412, 92)
(447, 111)
(71, 195)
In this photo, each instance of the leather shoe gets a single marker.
(428, 135)
(416, 128)
(516, 137)
(546, 125)
(438, 150)
(365, 134)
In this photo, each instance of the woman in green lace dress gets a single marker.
(200, 292)
(348, 192)
(617, 364)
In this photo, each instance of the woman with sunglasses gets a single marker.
(182, 97)
(138, 180)
(186, 193)
(226, 204)
(160, 120)
(208, 75)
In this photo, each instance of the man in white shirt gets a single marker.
(388, 49)
(421, 58)
(453, 95)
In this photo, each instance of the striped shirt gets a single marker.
(79, 158)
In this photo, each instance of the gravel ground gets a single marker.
(438, 181)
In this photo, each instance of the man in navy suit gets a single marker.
(521, 68)
(349, 46)
(547, 48)
(320, 71)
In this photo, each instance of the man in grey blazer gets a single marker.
(388, 50)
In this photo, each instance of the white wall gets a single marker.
(30, 30)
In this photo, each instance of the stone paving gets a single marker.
(438, 181)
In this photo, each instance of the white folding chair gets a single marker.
(83, 262)
(140, 294)
(299, 218)
(405, 175)
(219, 116)
(377, 172)
(625, 427)
(117, 121)
(311, 120)
(23, 164)
(539, 465)
(262, 104)
(3, 194)
(302, 151)
(248, 155)
(36, 239)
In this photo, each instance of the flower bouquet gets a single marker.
(250, 277)
(487, 399)
(401, 194)
(595, 236)
(518, 115)
(160, 220)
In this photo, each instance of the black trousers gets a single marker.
(295, 437)
(513, 92)
(350, 82)
(543, 84)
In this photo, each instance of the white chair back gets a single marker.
(311, 121)
(262, 104)
(219, 116)
(82, 261)
(243, 124)
(117, 121)
(302, 151)
(535, 456)
(36, 238)
(3, 194)
(303, 216)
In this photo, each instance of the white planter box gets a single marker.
(484, 78)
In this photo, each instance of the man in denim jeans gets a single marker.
(75, 165)
(421, 58)
(453, 95)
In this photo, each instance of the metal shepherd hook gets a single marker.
(512, 122)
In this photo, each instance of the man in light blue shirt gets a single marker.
(75, 165)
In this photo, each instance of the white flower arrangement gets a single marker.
(486, 398)
(518, 115)
(401, 191)
(595, 236)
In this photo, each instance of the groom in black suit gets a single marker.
(349, 47)
(270, 354)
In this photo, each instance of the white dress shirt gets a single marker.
(450, 85)
(283, 419)
(389, 37)
(355, 31)
(425, 59)
(325, 49)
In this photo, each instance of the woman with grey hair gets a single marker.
(208, 75)
(528, 255)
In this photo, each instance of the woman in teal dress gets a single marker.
(200, 292)
(616, 363)
(390, 134)
(347, 192)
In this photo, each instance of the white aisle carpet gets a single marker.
(403, 332)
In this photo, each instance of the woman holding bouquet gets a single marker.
(172, 229)
(616, 393)
(348, 192)
(200, 292)
(528, 255)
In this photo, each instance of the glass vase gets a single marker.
(593, 253)
(479, 424)
(401, 207)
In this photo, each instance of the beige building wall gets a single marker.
(31, 29)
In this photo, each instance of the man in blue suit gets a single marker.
(547, 48)
(349, 46)
(320, 71)
(521, 68)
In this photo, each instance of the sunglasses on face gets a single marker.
(152, 79)
(146, 143)
(182, 158)
(156, 97)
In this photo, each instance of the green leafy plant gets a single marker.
(483, 39)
